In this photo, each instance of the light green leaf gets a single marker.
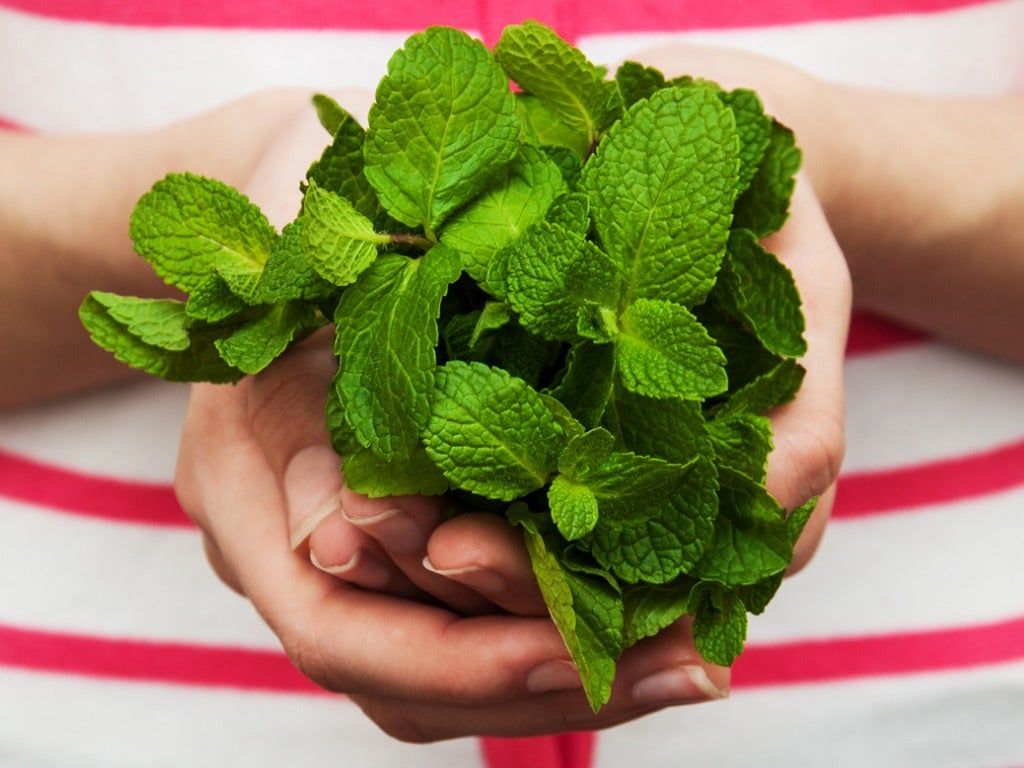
(493, 316)
(259, 342)
(444, 126)
(329, 112)
(720, 627)
(764, 207)
(662, 185)
(779, 385)
(570, 212)
(754, 128)
(490, 433)
(158, 322)
(387, 332)
(543, 127)
(586, 451)
(339, 169)
(550, 69)
(190, 227)
(338, 240)
(198, 362)
(573, 508)
(650, 608)
(213, 301)
(586, 609)
(758, 289)
(663, 351)
(288, 273)
(637, 82)
(742, 442)
(670, 429)
(587, 383)
(500, 214)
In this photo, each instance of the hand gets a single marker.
(256, 473)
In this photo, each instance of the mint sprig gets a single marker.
(554, 298)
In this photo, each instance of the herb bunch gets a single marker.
(551, 303)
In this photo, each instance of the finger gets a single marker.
(216, 560)
(348, 639)
(401, 526)
(485, 553)
(659, 672)
(340, 549)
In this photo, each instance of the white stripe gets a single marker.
(968, 719)
(72, 76)
(973, 50)
(929, 402)
(957, 564)
(62, 721)
(129, 431)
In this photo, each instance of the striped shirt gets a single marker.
(902, 644)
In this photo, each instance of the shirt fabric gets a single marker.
(902, 644)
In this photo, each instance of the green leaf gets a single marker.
(543, 127)
(751, 541)
(587, 383)
(567, 161)
(190, 227)
(759, 290)
(720, 627)
(386, 335)
(586, 451)
(671, 429)
(742, 441)
(213, 301)
(571, 213)
(198, 362)
(663, 351)
(259, 342)
(586, 609)
(764, 207)
(547, 67)
(549, 275)
(444, 126)
(650, 608)
(329, 112)
(573, 508)
(339, 169)
(779, 385)
(500, 214)
(338, 240)
(655, 518)
(288, 273)
(493, 316)
(521, 353)
(662, 186)
(490, 433)
(637, 82)
(754, 128)
(158, 322)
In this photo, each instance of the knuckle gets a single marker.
(819, 452)
(394, 721)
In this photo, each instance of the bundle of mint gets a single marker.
(550, 303)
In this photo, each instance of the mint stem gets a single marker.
(417, 240)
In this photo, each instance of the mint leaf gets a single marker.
(571, 213)
(213, 301)
(543, 127)
(338, 240)
(387, 331)
(573, 508)
(637, 82)
(764, 207)
(650, 608)
(779, 385)
(288, 273)
(751, 541)
(550, 69)
(663, 351)
(720, 627)
(199, 361)
(662, 185)
(504, 210)
(329, 112)
(585, 451)
(587, 610)
(493, 316)
(568, 163)
(759, 290)
(655, 518)
(339, 168)
(742, 441)
(443, 126)
(670, 429)
(259, 342)
(587, 383)
(490, 433)
(754, 128)
(549, 275)
(190, 227)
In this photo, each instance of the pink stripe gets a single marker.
(870, 334)
(10, 125)
(797, 662)
(816, 661)
(607, 17)
(107, 498)
(936, 482)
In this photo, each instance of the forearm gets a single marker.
(64, 209)
(926, 197)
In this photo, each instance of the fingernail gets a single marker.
(553, 676)
(307, 525)
(393, 528)
(371, 572)
(473, 576)
(686, 683)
